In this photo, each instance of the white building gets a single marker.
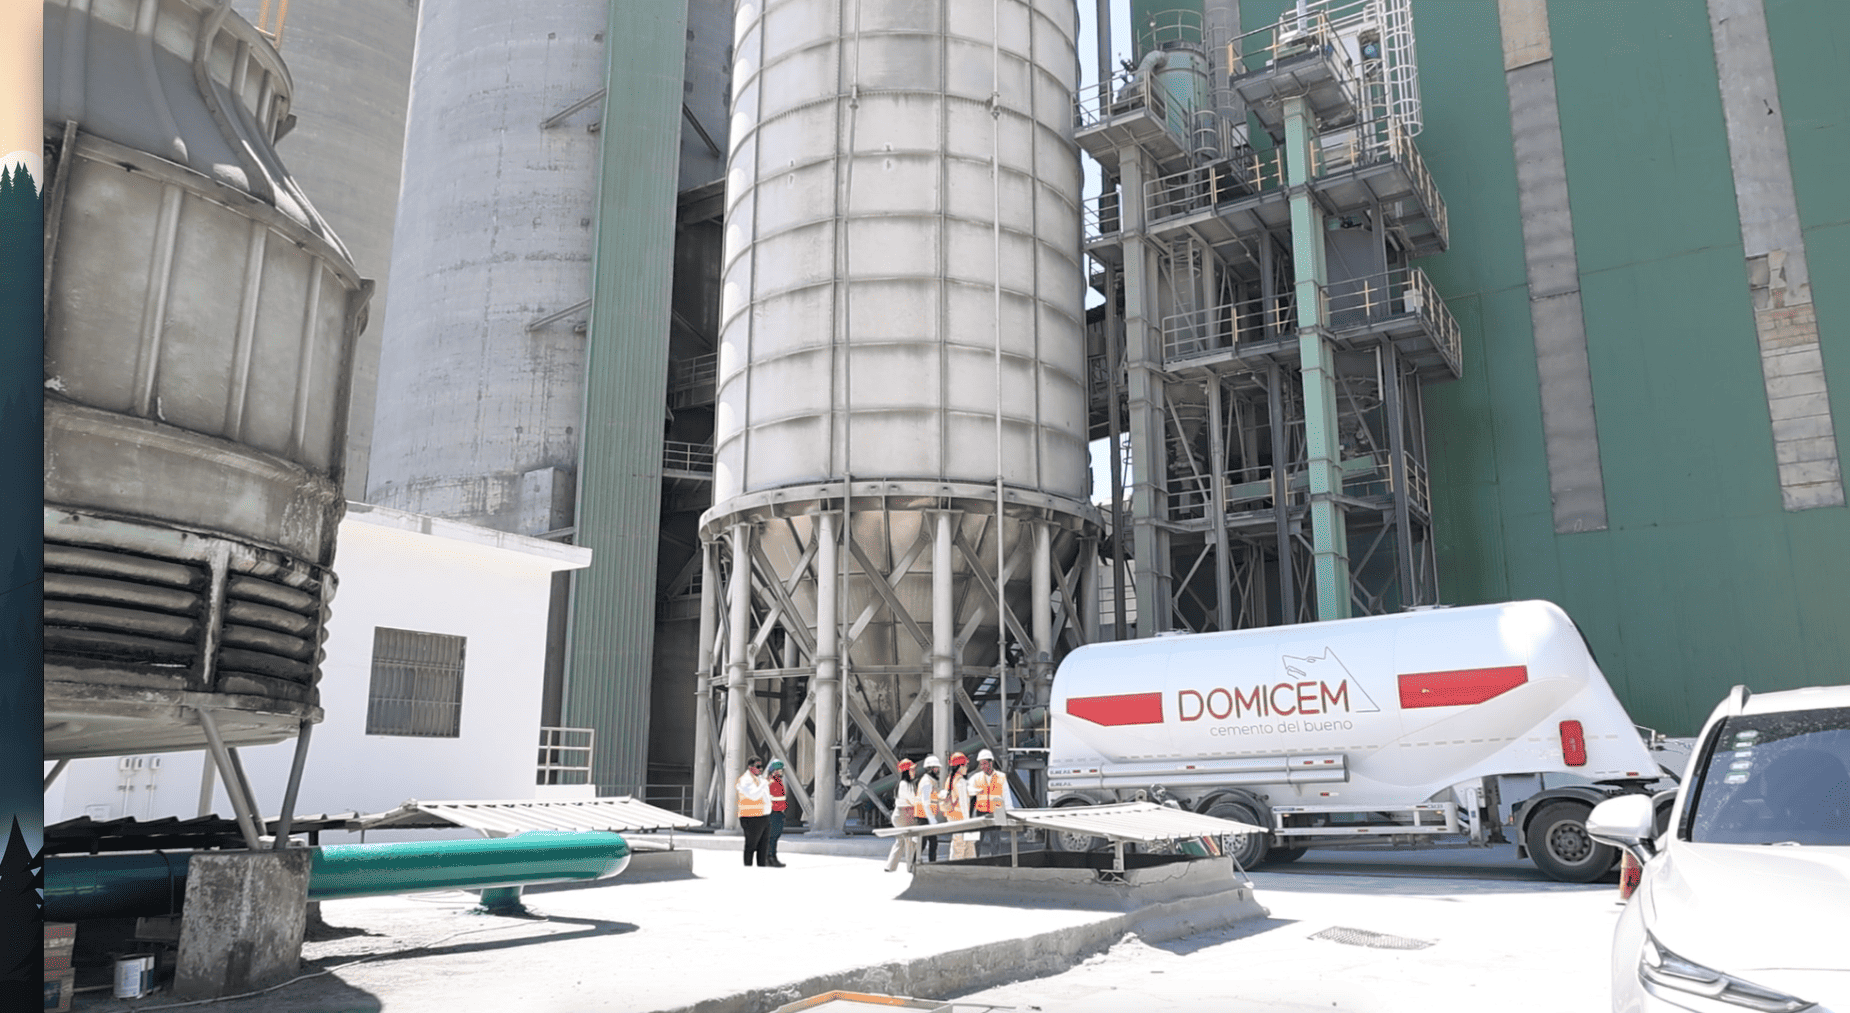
(431, 688)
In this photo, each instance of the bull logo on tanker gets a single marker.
(1311, 686)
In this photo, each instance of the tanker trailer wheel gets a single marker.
(1074, 842)
(1559, 845)
(1247, 849)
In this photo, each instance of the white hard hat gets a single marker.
(984, 754)
(930, 762)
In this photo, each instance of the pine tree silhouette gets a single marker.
(21, 936)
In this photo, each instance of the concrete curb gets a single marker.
(972, 969)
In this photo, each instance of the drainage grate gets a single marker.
(1377, 940)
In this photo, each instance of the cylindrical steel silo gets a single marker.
(482, 382)
(199, 331)
(901, 409)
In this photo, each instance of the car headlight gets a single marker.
(1679, 980)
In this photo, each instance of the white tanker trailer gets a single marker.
(1407, 730)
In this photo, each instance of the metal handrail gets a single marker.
(680, 456)
(559, 748)
(684, 374)
(1377, 297)
(1124, 92)
(1101, 216)
(1226, 326)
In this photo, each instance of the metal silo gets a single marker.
(482, 383)
(199, 328)
(900, 424)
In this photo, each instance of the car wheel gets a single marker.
(1559, 845)
(1247, 849)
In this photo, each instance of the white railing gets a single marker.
(1203, 332)
(694, 457)
(693, 372)
(565, 755)
(1099, 214)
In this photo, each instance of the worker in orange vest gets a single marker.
(988, 787)
(954, 800)
(927, 808)
(754, 795)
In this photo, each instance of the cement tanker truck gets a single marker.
(1421, 728)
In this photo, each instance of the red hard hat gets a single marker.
(959, 759)
(905, 765)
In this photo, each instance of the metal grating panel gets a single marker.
(1373, 940)
(620, 814)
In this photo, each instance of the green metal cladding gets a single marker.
(1702, 579)
(620, 472)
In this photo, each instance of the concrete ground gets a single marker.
(731, 938)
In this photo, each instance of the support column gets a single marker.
(827, 684)
(1317, 361)
(738, 695)
(1217, 500)
(1281, 494)
(1396, 406)
(1143, 360)
(943, 634)
(1042, 605)
(703, 682)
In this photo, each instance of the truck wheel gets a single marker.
(1559, 845)
(1073, 842)
(1247, 849)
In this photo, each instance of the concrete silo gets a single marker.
(901, 412)
(199, 329)
(482, 382)
(351, 63)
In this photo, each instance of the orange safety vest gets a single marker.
(760, 806)
(987, 791)
(953, 805)
(925, 803)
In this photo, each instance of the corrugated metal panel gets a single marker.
(620, 456)
(516, 815)
(1143, 822)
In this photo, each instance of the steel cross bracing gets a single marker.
(1199, 263)
(769, 685)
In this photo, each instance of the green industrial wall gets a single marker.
(1702, 580)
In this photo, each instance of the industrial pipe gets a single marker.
(80, 887)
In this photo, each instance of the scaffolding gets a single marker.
(1264, 341)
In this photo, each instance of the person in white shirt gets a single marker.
(754, 797)
(905, 814)
(928, 803)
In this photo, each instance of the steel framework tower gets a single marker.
(1262, 319)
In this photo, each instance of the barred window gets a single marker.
(417, 684)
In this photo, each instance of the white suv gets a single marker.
(1744, 901)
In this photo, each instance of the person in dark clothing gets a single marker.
(778, 802)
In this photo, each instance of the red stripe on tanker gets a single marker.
(1460, 687)
(1123, 709)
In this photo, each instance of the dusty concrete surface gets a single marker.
(736, 939)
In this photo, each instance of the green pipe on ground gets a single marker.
(80, 887)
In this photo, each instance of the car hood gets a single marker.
(1754, 910)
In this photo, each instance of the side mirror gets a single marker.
(1628, 822)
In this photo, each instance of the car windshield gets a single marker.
(1776, 779)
